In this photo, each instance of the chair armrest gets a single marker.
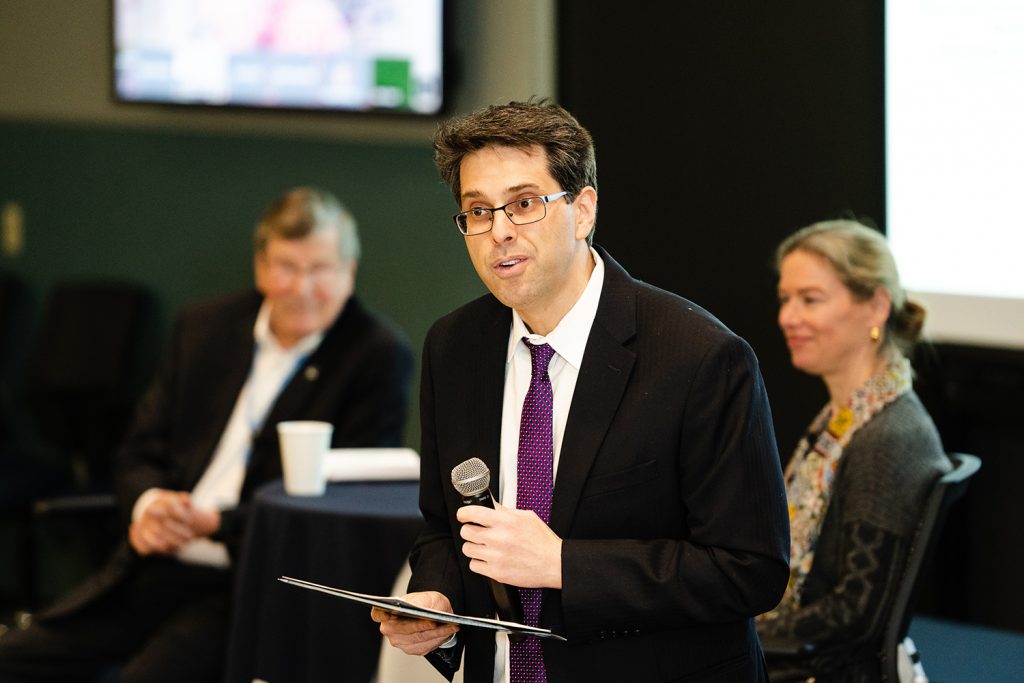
(95, 502)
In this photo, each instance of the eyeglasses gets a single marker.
(522, 211)
(286, 272)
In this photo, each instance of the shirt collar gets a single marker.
(265, 339)
(569, 338)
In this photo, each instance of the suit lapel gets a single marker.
(604, 375)
(294, 394)
(230, 364)
(607, 366)
(488, 390)
(298, 391)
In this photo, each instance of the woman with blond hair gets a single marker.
(859, 477)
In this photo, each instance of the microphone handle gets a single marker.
(506, 598)
(482, 498)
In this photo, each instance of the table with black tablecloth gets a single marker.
(356, 536)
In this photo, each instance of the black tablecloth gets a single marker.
(356, 537)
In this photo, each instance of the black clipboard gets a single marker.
(399, 606)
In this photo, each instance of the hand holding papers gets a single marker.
(399, 606)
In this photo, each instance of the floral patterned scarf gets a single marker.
(812, 468)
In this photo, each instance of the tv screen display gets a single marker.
(341, 55)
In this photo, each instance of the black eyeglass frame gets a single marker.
(546, 198)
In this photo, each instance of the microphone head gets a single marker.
(471, 477)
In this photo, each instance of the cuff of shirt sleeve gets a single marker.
(143, 502)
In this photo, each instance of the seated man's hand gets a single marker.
(170, 521)
(416, 636)
(204, 522)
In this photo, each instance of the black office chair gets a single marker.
(83, 375)
(948, 489)
(86, 368)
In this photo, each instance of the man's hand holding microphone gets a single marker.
(512, 548)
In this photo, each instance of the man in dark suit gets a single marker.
(204, 439)
(664, 529)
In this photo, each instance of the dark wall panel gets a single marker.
(721, 127)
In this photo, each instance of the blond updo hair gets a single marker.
(861, 258)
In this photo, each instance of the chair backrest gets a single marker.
(86, 366)
(947, 490)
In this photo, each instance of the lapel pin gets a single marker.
(311, 373)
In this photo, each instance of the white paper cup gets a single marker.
(304, 444)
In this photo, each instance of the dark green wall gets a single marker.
(175, 212)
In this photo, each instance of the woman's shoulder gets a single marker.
(889, 466)
(903, 428)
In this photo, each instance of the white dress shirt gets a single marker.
(220, 486)
(569, 341)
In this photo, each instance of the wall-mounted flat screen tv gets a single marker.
(338, 55)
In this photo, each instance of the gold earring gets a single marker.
(875, 333)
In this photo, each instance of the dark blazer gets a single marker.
(357, 379)
(668, 494)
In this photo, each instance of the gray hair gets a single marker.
(303, 210)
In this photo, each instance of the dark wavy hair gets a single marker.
(569, 146)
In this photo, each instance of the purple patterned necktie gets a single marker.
(534, 470)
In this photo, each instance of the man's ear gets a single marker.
(586, 211)
(260, 274)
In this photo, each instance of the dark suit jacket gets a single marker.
(357, 379)
(668, 494)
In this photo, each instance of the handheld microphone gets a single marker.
(471, 479)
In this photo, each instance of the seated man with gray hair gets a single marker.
(204, 438)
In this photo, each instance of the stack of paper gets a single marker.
(372, 464)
